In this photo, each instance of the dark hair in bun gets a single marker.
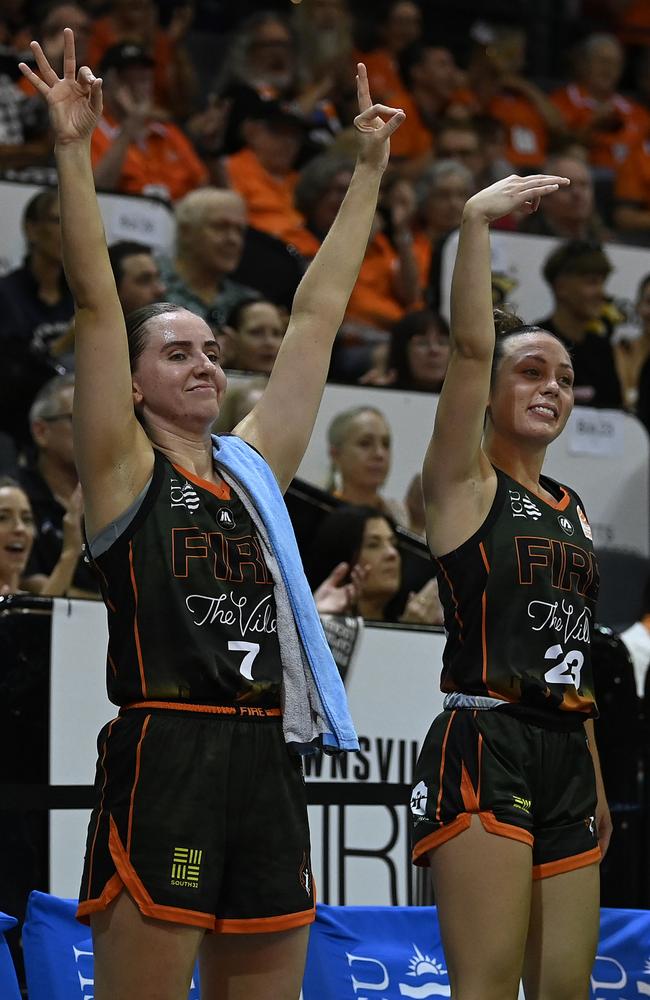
(506, 325)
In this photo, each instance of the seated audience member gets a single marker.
(442, 192)
(255, 329)
(324, 46)
(36, 306)
(137, 275)
(24, 134)
(397, 25)
(593, 110)
(577, 273)
(430, 76)
(497, 87)
(362, 536)
(459, 141)
(632, 356)
(51, 482)
(632, 195)
(17, 533)
(493, 143)
(264, 170)
(359, 442)
(135, 22)
(569, 212)
(210, 227)
(637, 641)
(419, 352)
(321, 188)
(135, 150)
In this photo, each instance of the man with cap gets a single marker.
(263, 171)
(134, 149)
(583, 318)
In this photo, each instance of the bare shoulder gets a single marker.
(109, 494)
(460, 509)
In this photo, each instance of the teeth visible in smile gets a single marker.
(544, 409)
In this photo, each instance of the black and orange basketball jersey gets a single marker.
(190, 600)
(519, 599)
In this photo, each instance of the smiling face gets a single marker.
(17, 532)
(363, 456)
(258, 338)
(532, 393)
(178, 382)
(380, 555)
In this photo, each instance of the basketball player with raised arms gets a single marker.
(198, 843)
(508, 804)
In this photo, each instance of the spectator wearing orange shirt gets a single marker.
(133, 150)
(264, 171)
(632, 193)
(496, 87)
(398, 25)
(430, 76)
(595, 113)
(442, 192)
(136, 22)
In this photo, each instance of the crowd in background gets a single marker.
(239, 116)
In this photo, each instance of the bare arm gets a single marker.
(603, 818)
(281, 423)
(456, 476)
(111, 449)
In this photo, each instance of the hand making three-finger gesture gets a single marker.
(374, 148)
(75, 100)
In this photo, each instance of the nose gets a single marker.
(552, 387)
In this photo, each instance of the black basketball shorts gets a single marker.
(525, 782)
(203, 819)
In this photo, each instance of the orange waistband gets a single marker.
(241, 711)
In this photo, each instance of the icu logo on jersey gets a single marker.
(186, 867)
(305, 875)
(584, 524)
(225, 519)
(522, 506)
(565, 524)
(184, 495)
(419, 799)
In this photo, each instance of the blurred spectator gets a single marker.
(493, 142)
(594, 112)
(137, 275)
(51, 482)
(569, 212)
(17, 533)
(459, 141)
(210, 226)
(323, 33)
(255, 329)
(133, 149)
(398, 25)
(577, 272)
(262, 62)
(35, 303)
(49, 32)
(264, 171)
(442, 192)
(632, 357)
(637, 641)
(430, 76)
(321, 188)
(15, 27)
(496, 87)
(419, 352)
(24, 132)
(359, 443)
(632, 195)
(135, 22)
(362, 536)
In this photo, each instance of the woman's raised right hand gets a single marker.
(512, 194)
(75, 101)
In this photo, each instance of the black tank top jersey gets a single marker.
(519, 599)
(191, 607)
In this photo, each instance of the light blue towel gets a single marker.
(315, 711)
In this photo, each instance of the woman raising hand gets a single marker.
(509, 809)
(198, 843)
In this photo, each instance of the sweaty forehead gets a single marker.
(537, 342)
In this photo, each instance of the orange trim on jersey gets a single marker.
(492, 825)
(468, 792)
(111, 891)
(101, 803)
(484, 556)
(591, 857)
(141, 897)
(244, 711)
(442, 764)
(266, 925)
(136, 632)
(221, 490)
(453, 597)
(441, 836)
(479, 765)
(556, 504)
(135, 782)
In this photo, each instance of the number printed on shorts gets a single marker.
(250, 650)
(567, 671)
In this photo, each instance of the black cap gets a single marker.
(126, 54)
(576, 257)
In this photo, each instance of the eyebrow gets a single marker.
(188, 343)
(540, 357)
